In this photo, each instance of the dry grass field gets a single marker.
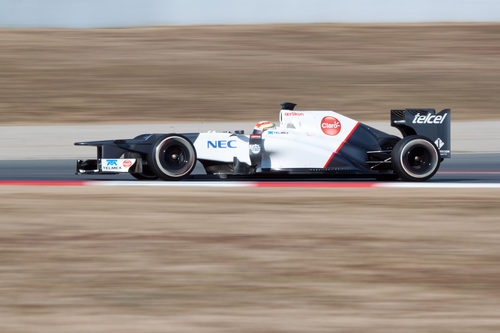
(254, 260)
(210, 73)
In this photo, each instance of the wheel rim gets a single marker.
(419, 158)
(175, 157)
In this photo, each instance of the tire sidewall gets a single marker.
(403, 146)
(155, 155)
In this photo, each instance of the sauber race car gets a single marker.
(303, 143)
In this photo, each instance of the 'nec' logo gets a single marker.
(221, 144)
(112, 163)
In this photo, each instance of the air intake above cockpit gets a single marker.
(288, 106)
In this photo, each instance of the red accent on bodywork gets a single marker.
(335, 152)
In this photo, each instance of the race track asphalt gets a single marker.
(461, 168)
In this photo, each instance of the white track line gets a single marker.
(170, 184)
(293, 184)
(438, 185)
(270, 184)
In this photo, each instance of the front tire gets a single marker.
(146, 174)
(172, 157)
(415, 158)
(388, 177)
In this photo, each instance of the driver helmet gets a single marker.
(263, 126)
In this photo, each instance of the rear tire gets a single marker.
(172, 157)
(415, 158)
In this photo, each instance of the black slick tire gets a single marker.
(415, 158)
(172, 157)
(146, 174)
(389, 177)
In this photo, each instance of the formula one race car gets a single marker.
(304, 142)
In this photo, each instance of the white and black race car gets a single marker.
(304, 142)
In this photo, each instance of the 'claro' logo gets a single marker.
(330, 126)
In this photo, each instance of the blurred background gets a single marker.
(358, 57)
(143, 259)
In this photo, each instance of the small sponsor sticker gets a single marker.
(330, 126)
(127, 164)
(255, 148)
(439, 143)
(294, 114)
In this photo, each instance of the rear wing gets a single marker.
(426, 122)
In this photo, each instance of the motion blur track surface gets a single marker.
(461, 168)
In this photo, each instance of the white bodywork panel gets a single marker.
(223, 147)
(303, 139)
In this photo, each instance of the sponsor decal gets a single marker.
(276, 132)
(294, 114)
(255, 136)
(429, 119)
(439, 143)
(255, 148)
(116, 165)
(223, 144)
(330, 126)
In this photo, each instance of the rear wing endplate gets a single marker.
(426, 122)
